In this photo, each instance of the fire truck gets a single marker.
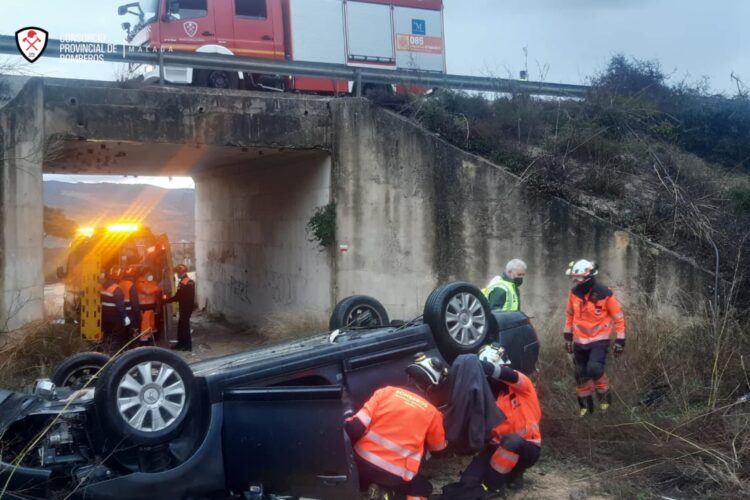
(95, 250)
(389, 34)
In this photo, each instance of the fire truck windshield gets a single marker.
(149, 8)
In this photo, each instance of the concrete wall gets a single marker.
(417, 212)
(254, 259)
(21, 157)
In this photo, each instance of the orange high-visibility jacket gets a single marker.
(398, 425)
(590, 316)
(521, 408)
(148, 292)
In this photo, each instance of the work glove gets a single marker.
(126, 321)
(569, 346)
(618, 348)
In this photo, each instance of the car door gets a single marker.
(258, 28)
(289, 438)
(190, 27)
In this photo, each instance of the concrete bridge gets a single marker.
(411, 210)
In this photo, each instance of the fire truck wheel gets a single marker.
(358, 311)
(460, 319)
(79, 370)
(217, 79)
(146, 395)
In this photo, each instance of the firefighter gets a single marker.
(396, 429)
(502, 291)
(516, 443)
(592, 310)
(148, 295)
(185, 297)
(130, 295)
(115, 320)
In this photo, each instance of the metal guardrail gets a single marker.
(359, 75)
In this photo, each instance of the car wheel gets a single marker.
(217, 79)
(460, 319)
(146, 395)
(79, 370)
(358, 311)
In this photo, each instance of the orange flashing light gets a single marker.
(86, 231)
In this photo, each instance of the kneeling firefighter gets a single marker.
(394, 431)
(592, 310)
(516, 442)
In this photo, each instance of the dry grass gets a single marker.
(35, 350)
(693, 442)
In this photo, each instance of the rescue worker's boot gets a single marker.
(605, 399)
(586, 404)
(515, 479)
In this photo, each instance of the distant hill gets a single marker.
(170, 211)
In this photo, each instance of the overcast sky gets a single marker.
(572, 38)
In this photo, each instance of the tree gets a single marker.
(57, 224)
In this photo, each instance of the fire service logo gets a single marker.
(31, 42)
(191, 28)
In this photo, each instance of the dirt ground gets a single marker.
(548, 479)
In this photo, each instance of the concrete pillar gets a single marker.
(21, 230)
(255, 262)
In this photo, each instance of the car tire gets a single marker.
(371, 312)
(146, 395)
(217, 79)
(460, 319)
(79, 370)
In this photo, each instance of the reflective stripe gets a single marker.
(363, 417)
(620, 335)
(384, 464)
(537, 442)
(439, 447)
(589, 340)
(617, 316)
(503, 461)
(387, 443)
(589, 331)
(109, 304)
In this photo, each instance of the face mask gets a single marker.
(150, 278)
(518, 281)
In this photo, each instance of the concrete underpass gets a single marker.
(411, 210)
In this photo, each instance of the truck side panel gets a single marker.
(419, 39)
(317, 31)
(369, 33)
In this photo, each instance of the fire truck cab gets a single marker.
(390, 34)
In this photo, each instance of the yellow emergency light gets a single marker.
(122, 228)
(86, 231)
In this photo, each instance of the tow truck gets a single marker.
(388, 34)
(95, 250)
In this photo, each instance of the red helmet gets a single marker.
(181, 269)
(115, 273)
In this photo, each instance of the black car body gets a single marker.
(269, 418)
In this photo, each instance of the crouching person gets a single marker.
(516, 442)
(395, 430)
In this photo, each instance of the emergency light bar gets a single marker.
(122, 228)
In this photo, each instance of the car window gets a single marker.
(250, 8)
(190, 9)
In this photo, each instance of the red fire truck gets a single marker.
(391, 34)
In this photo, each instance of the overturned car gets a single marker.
(266, 420)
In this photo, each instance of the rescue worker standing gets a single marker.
(130, 295)
(592, 310)
(516, 443)
(502, 291)
(148, 295)
(395, 429)
(185, 297)
(115, 320)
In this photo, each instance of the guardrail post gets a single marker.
(161, 66)
(358, 83)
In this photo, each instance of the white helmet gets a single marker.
(427, 370)
(495, 354)
(582, 270)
